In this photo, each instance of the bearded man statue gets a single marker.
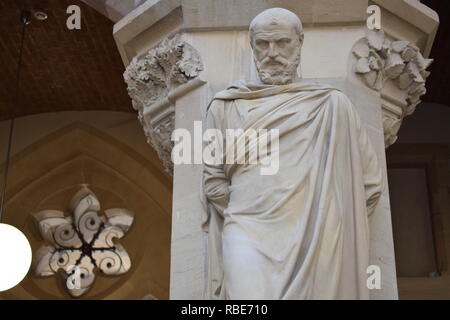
(302, 232)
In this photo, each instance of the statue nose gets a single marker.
(272, 51)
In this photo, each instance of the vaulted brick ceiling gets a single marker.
(62, 69)
(82, 70)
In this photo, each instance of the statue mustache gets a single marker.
(268, 61)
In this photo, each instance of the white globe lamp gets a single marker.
(15, 256)
(15, 250)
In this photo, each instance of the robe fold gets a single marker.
(303, 232)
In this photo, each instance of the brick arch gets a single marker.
(47, 174)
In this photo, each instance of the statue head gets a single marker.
(276, 38)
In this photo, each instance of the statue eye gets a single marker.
(263, 44)
(283, 42)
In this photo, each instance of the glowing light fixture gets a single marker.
(15, 250)
(15, 253)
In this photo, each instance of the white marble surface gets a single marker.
(330, 33)
(233, 47)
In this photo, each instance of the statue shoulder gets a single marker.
(341, 96)
(233, 90)
(337, 94)
(342, 102)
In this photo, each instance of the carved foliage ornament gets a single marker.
(391, 126)
(82, 243)
(380, 59)
(150, 79)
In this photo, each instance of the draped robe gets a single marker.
(303, 232)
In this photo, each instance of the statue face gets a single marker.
(277, 51)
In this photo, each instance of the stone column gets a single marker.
(180, 53)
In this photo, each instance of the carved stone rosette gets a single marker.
(151, 80)
(80, 244)
(383, 63)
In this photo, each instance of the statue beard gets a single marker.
(277, 71)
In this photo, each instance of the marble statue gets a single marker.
(303, 232)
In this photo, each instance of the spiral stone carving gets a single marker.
(83, 243)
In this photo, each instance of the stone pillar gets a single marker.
(180, 53)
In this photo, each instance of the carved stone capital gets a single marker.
(154, 82)
(398, 70)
